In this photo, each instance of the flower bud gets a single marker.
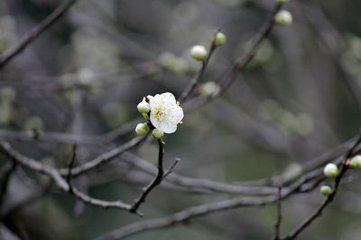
(331, 170)
(209, 89)
(283, 18)
(220, 39)
(157, 134)
(143, 107)
(199, 52)
(356, 162)
(142, 129)
(326, 190)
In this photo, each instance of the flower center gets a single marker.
(159, 114)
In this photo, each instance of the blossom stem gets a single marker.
(156, 181)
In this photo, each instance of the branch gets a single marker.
(279, 215)
(197, 211)
(36, 32)
(70, 168)
(103, 158)
(243, 61)
(330, 198)
(194, 82)
(5, 178)
(199, 185)
(156, 181)
(248, 56)
(58, 179)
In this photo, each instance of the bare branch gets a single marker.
(156, 181)
(170, 170)
(36, 32)
(197, 211)
(243, 61)
(330, 198)
(58, 179)
(70, 167)
(194, 82)
(5, 178)
(279, 215)
(103, 158)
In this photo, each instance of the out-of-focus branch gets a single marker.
(103, 158)
(67, 138)
(199, 211)
(156, 181)
(36, 32)
(243, 61)
(4, 180)
(304, 183)
(248, 56)
(61, 183)
(70, 168)
(330, 198)
(279, 215)
(200, 185)
(195, 80)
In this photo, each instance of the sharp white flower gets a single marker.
(165, 112)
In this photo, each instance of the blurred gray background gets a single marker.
(299, 98)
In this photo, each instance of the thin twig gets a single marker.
(5, 178)
(156, 181)
(103, 158)
(70, 168)
(231, 75)
(279, 214)
(248, 56)
(170, 170)
(330, 198)
(36, 32)
(61, 183)
(197, 211)
(194, 82)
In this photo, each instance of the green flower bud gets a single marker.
(283, 18)
(157, 134)
(326, 190)
(209, 89)
(356, 162)
(199, 52)
(331, 170)
(143, 107)
(142, 129)
(220, 39)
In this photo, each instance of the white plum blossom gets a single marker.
(165, 112)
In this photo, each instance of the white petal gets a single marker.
(175, 115)
(167, 127)
(155, 121)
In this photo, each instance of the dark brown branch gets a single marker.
(156, 181)
(36, 32)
